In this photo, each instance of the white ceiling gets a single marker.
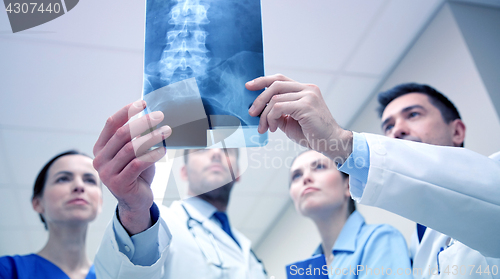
(60, 81)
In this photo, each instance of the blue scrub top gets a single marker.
(33, 266)
(360, 251)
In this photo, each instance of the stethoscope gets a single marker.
(190, 223)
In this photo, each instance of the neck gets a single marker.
(218, 197)
(220, 204)
(66, 248)
(330, 225)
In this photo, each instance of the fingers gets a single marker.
(144, 143)
(276, 115)
(126, 133)
(263, 82)
(116, 121)
(138, 148)
(268, 123)
(277, 87)
(138, 165)
(144, 123)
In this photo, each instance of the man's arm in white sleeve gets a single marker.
(124, 256)
(449, 189)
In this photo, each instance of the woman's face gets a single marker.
(72, 192)
(316, 185)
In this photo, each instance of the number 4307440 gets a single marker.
(33, 8)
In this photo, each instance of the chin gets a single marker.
(310, 208)
(213, 184)
(85, 218)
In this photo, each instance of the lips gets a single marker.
(309, 190)
(216, 167)
(78, 201)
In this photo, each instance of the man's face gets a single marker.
(413, 117)
(209, 169)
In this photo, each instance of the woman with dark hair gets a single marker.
(67, 195)
(349, 247)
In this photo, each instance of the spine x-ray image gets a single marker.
(198, 56)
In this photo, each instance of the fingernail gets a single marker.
(155, 115)
(160, 150)
(165, 130)
(251, 82)
(252, 108)
(139, 104)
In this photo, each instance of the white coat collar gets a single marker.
(202, 211)
(203, 207)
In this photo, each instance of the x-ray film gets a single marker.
(198, 56)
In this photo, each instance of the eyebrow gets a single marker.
(63, 172)
(295, 172)
(406, 109)
(89, 175)
(313, 163)
(70, 173)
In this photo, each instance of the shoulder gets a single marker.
(173, 219)
(91, 273)
(385, 246)
(18, 259)
(496, 156)
(239, 235)
(168, 214)
(384, 243)
(10, 266)
(164, 210)
(173, 214)
(381, 230)
(7, 267)
(380, 234)
(6, 262)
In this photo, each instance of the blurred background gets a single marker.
(60, 81)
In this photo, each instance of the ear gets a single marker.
(458, 130)
(37, 205)
(347, 192)
(184, 175)
(99, 210)
(236, 172)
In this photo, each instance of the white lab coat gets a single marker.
(454, 191)
(180, 255)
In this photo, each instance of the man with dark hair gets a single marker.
(445, 106)
(423, 178)
(430, 96)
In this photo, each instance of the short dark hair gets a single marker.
(448, 110)
(42, 176)
(187, 151)
(351, 207)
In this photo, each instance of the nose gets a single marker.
(78, 185)
(400, 130)
(307, 177)
(217, 154)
